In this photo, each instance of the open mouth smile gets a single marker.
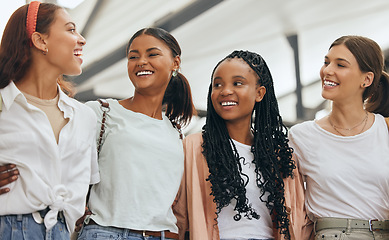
(144, 73)
(229, 103)
(330, 83)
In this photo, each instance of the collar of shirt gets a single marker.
(11, 94)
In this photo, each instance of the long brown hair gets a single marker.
(15, 50)
(370, 59)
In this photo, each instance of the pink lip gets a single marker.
(228, 107)
(79, 59)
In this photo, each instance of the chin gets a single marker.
(326, 96)
(74, 73)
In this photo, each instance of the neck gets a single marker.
(148, 105)
(345, 115)
(40, 84)
(240, 132)
(348, 120)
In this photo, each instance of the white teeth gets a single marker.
(330, 83)
(144, 73)
(229, 103)
(78, 53)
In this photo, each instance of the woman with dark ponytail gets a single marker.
(141, 160)
(240, 180)
(344, 157)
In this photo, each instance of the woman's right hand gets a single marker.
(8, 174)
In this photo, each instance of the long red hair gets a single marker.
(15, 50)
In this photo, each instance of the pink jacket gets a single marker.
(196, 211)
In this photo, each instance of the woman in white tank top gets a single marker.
(344, 157)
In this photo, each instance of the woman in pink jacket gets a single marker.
(240, 180)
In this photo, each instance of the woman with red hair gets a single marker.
(45, 134)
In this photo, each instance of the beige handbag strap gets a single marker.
(387, 122)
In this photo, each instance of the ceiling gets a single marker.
(208, 30)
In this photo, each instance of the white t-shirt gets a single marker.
(141, 165)
(261, 228)
(346, 177)
(51, 175)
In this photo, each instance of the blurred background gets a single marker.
(293, 37)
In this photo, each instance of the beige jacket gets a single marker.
(196, 211)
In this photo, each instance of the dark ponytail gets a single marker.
(178, 100)
(178, 97)
(379, 100)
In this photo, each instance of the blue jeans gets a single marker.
(18, 227)
(92, 232)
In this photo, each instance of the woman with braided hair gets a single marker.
(240, 180)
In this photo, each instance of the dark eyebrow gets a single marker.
(339, 59)
(153, 48)
(148, 50)
(342, 59)
(233, 77)
(239, 76)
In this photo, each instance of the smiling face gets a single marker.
(342, 79)
(64, 45)
(235, 91)
(150, 64)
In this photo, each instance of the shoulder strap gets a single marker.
(105, 108)
(178, 127)
(387, 122)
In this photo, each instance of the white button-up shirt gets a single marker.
(51, 175)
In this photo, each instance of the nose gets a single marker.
(141, 61)
(226, 91)
(327, 69)
(81, 40)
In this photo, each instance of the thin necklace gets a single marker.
(349, 129)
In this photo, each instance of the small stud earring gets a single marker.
(364, 84)
(174, 73)
(46, 51)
